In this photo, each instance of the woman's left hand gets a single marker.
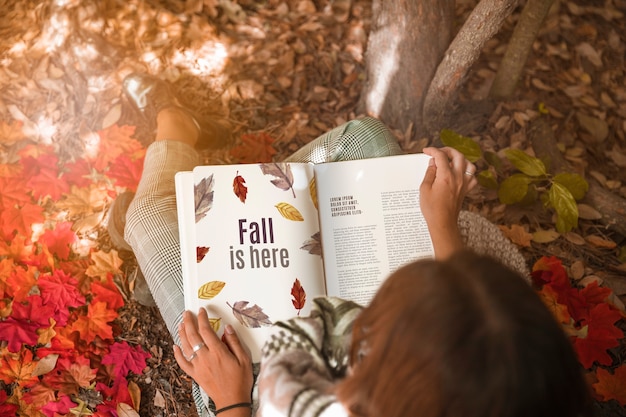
(222, 369)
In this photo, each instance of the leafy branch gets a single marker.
(558, 192)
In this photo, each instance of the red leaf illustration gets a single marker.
(239, 188)
(201, 252)
(299, 295)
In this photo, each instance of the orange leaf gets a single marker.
(518, 235)
(59, 239)
(104, 263)
(254, 148)
(115, 141)
(612, 386)
(10, 133)
(95, 323)
(550, 297)
(17, 368)
(126, 172)
(239, 188)
(299, 295)
(21, 219)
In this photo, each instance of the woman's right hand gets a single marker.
(448, 179)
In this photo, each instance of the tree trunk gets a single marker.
(514, 60)
(406, 43)
(483, 23)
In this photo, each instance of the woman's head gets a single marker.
(461, 337)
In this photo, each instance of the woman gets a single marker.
(305, 362)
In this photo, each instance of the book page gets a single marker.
(371, 221)
(257, 250)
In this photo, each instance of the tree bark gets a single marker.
(612, 207)
(516, 55)
(483, 23)
(406, 43)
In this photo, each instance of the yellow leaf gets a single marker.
(210, 289)
(104, 263)
(289, 212)
(313, 191)
(215, 324)
(545, 236)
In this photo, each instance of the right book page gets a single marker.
(371, 221)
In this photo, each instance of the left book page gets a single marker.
(250, 245)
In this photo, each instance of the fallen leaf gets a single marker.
(600, 242)
(545, 236)
(254, 148)
(104, 263)
(612, 386)
(518, 235)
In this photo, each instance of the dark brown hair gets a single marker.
(461, 338)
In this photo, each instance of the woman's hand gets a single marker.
(448, 179)
(222, 369)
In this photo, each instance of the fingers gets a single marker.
(234, 344)
(450, 162)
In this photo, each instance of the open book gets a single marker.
(252, 236)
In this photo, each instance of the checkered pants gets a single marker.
(151, 220)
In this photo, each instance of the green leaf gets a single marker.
(565, 206)
(529, 165)
(487, 179)
(514, 189)
(576, 184)
(493, 159)
(467, 146)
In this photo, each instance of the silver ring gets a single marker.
(471, 174)
(197, 347)
(191, 357)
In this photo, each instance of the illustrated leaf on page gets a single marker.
(289, 212)
(250, 316)
(239, 187)
(215, 323)
(201, 252)
(299, 295)
(283, 174)
(313, 191)
(210, 289)
(313, 245)
(203, 195)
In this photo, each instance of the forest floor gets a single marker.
(293, 69)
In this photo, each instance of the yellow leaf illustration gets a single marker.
(215, 324)
(289, 212)
(313, 192)
(210, 289)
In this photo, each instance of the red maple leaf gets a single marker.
(40, 394)
(549, 270)
(126, 172)
(115, 394)
(612, 386)
(33, 310)
(299, 295)
(58, 408)
(60, 291)
(125, 359)
(107, 292)
(21, 219)
(95, 323)
(78, 173)
(254, 148)
(43, 176)
(18, 333)
(5, 408)
(601, 336)
(59, 239)
(239, 188)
